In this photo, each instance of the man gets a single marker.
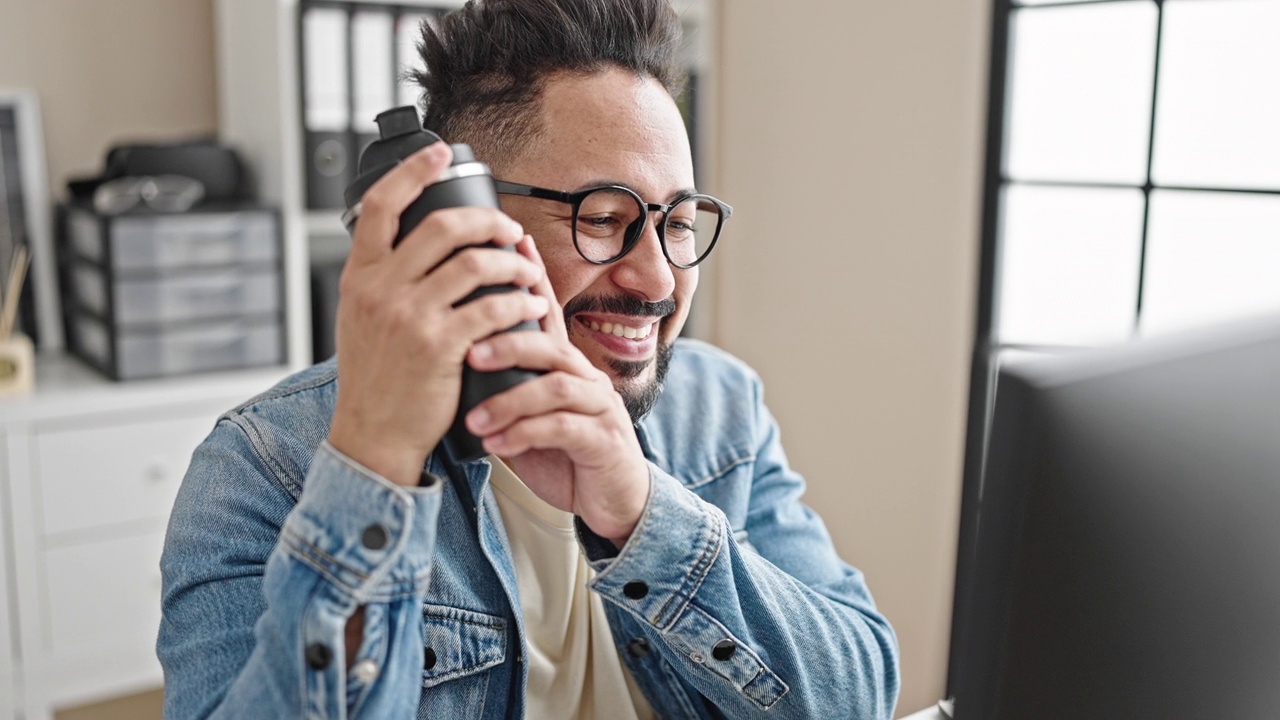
(633, 545)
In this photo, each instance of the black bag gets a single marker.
(215, 165)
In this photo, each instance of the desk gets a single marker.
(930, 713)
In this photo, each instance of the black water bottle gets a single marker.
(465, 183)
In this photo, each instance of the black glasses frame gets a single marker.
(636, 229)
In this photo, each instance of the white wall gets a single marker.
(851, 148)
(107, 71)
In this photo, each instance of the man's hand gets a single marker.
(400, 340)
(567, 434)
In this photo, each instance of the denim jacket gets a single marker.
(728, 600)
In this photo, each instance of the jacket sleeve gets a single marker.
(779, 629)
(257, 590)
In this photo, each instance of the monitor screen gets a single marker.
(1126, 557)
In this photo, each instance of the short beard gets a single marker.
(639, 400)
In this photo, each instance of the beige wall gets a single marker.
(110, 70)
(850, 147)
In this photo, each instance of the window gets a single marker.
(1132, 182)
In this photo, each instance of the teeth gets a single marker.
(621, 330)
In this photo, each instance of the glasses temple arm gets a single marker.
(510, 188)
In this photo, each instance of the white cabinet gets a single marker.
(91, 469)
(8, 650)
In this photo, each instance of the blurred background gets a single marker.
(920, 188)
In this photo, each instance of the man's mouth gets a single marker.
(626, 339)
(622, 331)
(625, 329)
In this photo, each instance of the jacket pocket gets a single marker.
(460, 643)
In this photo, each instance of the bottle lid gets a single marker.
(400, 135)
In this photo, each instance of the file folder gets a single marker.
(373, 73)
(408, 30)
(330, 152)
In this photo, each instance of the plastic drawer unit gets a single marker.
(151, 295)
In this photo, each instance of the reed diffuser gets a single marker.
(17, 354)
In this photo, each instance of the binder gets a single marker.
(330, 153)
(325, 278)
(373, 73)
(408, 30)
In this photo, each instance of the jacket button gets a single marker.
(635, 589)
(428, 659)
(724, 649)
(318, 656)
(638, 648)
(374, 537)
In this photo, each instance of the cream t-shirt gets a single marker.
(575, 672)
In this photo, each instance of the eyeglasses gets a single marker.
(162, 193)
(609, 220)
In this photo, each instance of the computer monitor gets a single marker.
(1126, 562)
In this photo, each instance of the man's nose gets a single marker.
(645, 270)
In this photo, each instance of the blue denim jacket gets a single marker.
(727, 601)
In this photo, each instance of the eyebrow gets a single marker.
(597, 182)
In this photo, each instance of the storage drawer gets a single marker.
(103, 597)
(223, 345)
(157, 242)
(178, 298)
(115, 474)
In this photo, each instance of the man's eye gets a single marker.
(599, 222)
(680, 229)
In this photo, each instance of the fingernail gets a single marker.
(479, 418)
(517, 228)
(435, 150)
(481, 351)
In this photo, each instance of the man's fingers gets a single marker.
(494, 313)
(573, 433)
(554, 321)
(462, 274)
(532, 351)
(447, 231)
(386, 199)
(550, 394)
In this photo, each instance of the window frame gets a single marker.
(987, 347)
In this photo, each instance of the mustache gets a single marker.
(619, 305)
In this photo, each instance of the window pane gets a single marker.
(1068, 268)
(1219, 102)
(1210, 257)
(1080, 92)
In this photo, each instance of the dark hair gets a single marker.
(487, 62)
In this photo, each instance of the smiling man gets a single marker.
(633, 545)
